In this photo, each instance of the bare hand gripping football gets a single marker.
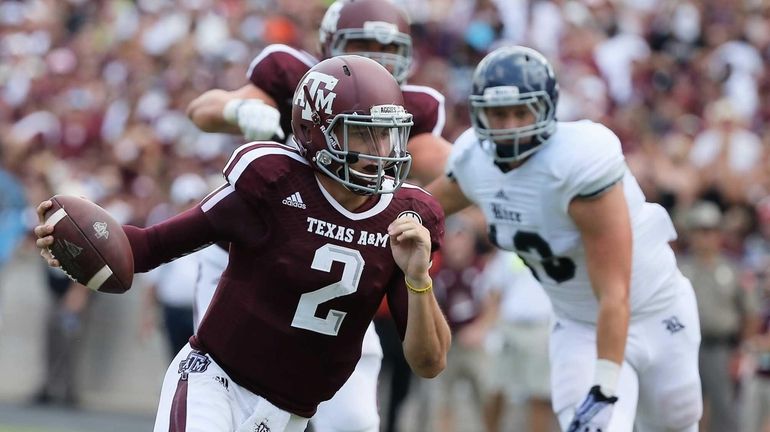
(86, 242)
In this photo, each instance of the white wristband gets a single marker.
(606, 374)
(230, 111)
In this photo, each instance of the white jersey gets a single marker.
(526, 212)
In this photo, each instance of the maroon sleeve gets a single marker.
(170, 239)
(277, 71)
(222, 216)
(427, 108)
(398, 302)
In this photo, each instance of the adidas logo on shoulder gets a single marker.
(294, 200)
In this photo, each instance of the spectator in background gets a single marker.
(727, 312)
(12, 205)
(755, 389)
(459, 294)
(519, 372)
(725, 154)
(63, 332)
(757, 244)
(171, 285)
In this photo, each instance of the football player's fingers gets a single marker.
(42, 208)
(46, 254)
(397, 231)
(415, 231)
(44, 242)
(412, 234)
(401, 224)
(43, 230)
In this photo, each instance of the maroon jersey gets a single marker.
(304, 279)
(278, 69)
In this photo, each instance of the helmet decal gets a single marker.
(322, 96)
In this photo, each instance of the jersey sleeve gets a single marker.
(594, 164)
(254, 168)
(460, 153)
(277, 70)
(427, 108)
(173, 238)
(222, 216)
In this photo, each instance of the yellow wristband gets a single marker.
(418, 290)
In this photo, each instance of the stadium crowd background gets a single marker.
(93, 97)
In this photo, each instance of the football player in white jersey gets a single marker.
(624, 346)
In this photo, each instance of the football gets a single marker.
(91, 246)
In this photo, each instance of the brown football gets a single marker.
(91, 246)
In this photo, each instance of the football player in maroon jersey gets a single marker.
(377, 29)
(318, 234)
(261, 109)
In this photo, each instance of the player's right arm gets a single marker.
(247, 111)
(221, 216)
(427, 337)
(448, 193)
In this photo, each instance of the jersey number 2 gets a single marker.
(557, 268)
(304, 316)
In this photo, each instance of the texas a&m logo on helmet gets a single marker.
(320, 86)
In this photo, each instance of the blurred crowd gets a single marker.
(93, 97)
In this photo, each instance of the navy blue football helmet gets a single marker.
(511, 76)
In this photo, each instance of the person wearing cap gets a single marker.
(726, 310)
(755, 384)
(726, 154)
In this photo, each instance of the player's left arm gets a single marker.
(427, 338)
(605, 227)
(429, 155)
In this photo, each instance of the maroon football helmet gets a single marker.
(348, 118)
(368, 20)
